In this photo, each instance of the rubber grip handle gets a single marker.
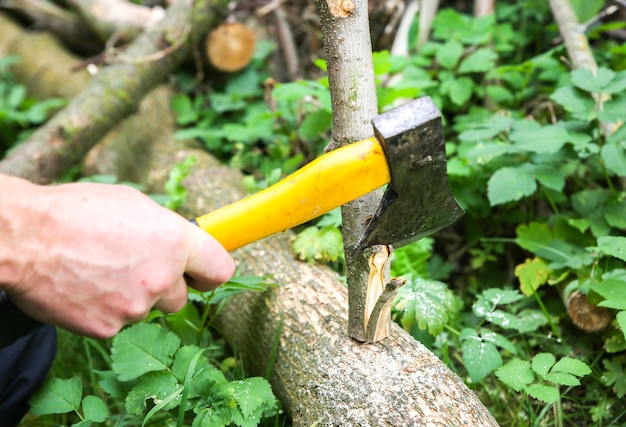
(329, 181)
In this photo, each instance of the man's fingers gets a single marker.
(209, 264)
(174, 299)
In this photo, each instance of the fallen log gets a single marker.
(112, 95)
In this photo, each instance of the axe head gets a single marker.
(418, 201)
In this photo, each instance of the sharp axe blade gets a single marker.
(418, 201)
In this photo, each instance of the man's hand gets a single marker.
(91, 257)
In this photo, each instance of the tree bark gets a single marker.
(112, 95)
(348, 51)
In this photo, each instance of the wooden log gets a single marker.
(112, 95)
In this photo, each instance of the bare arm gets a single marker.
(92, 257)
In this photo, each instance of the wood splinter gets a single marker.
(380, 294)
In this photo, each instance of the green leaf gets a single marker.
(94, 409)
(480, 357)
(57, 396)
(532, 274)
(313, 243)
(142, 348)
(517, 374)
(542, 362)
(428, 303)
(234, 286)
(561, 378)
(613, 291)
(499, 340)
(621, 321)
(314, 125)
(480, 61)
(543, 392)
(449, 53)
(154, 386)
(614, 246)
(574, 101)
(571, 366)
(614, 157)
(459, 90)
(617, 85)
(252, 394)
(545, 139)
(549, 176)
(614, 375)
(412, 259)
(499, 94)
(584, 79)
(510, 184)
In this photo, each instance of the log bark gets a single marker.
(112, 95)
(296, 332)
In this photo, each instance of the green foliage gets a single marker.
(19, 113)
(164, 373)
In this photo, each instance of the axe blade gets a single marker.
(418, 201)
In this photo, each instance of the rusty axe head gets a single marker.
(418, 201)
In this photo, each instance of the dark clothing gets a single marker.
(27, 350)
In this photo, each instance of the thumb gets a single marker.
(208, 263)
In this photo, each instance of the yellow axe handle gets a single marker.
(329, 181)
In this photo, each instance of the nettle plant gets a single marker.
(575, 175)
(164, 372)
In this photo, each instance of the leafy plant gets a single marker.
(164, 373)
(19, 113)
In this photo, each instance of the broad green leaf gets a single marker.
(480, 357)
(533, 236)
(57, 396)
(16, 96)
(252, 394)
(155, 387)
(587, 202)
(532, 274)
(480, 61)
(313, 243)
(314, 125)
(571, 366)
(545, 139)
(142, 348)
(584, 79)
(549, 176)
(614, 215)
(617, 84)
(611, 245)
(499, 94)
(498, 296)
(94, 409)
(613, 291)
(183, 359)
(497, 339)
(517, 374)
(460, 90)
(530, 320)
(428, 303)
(542, 362)
(236, 285)
(412, 259)
(449, 53)
(578, 103)
(615, 376)
(543, 392)
(587, 9)
(382, 62)
(562, 378)
(487, 130)
(510, 184)
(614, 157)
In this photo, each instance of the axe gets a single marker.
(407, 153)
